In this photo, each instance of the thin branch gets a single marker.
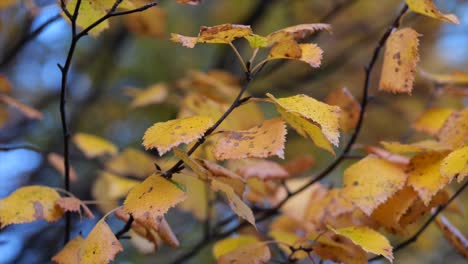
(18, 47)
(120, 234)
(423, 228)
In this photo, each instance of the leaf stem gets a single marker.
(239, 57)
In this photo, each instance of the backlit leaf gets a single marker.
(94, 146)
(256, 41)
(370, 240)
(311, 118)
(454, 132)
(261, 141)
(455, 165)
(453, 235)
(424, 175)
(28, 204)
(400, 60)
(166, 135)
(432, 120)
(290, 49)
(371, 181)
(228, 245)
(154, 94)
(427, 8)
(235, 202)
(150, 200)
(349, 106)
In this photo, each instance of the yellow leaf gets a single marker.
(432, 120)
(152, 198)
(219, 173)
(454, 132)
(154, 94)
(339, 249)
(290, 49)
(418, 209)
(28, 204)
(93, 146)
(199, 170)
(166, 135)
(70, 254)
(196, 202)
(223, 34)
(235, 202)
(371, 181)
(257, 253)
(109, 188)
(311, 118)
(228, 245)
(370, 240)
(456, 77)
(400, 60)
(72, 204)
(131, 162)
(256, 41)
(261, 141)
(151, 22)
(424, 175)
(425, 146)
(453, 235)
(101, 245)
(349, 106)
(427, 8)
(455, 165)
(297, 32)
(92, 10)
(56, 161)
(26, 110)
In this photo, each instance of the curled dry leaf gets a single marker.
(290, 49)
(150, 200)
(454, 132)
(222, 34)
(425, 146)
(368, 239)
(56, 161)
(453, 235)
(101, 246)
(297, 32)
(427, 8)
(311, 118)
(455, 165)
(424, 175)
(154, 94)
(166, 135)
(432, 120)
(28, 204)
(72, 204)
(400, 60)
(261, 141)
(235, 202)
(371, 181)
(93, 146)
(349, 106)
(24, 109)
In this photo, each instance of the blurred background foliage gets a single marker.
(123, 57)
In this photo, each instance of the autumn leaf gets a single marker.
(28, 204)
(230, 244)
(109, 188)
(7, 3)
(257, 253)
(152, 198)
(221, 34)
(425, 146)
(455, 165)
(256, 41)
(125, 163)
(72, 204)
(26, 110)
(456, 77)
(454, 132)
(290, 49)
(387, 155)
(259, 168)
(453, 235)
(235, 202)
(432, 120)
(297, 32)
(371, 181)
(94, 146)
(427, 8)
(100, 246)
(339, 249)
(299, 165)
(189, 2)
(370, 240)
(197, 198)
(311, 118)
(424, 175)
(5, 85)
(166, 135)
(150, 23)
(154, 94)
(92, 10)
(400, 60)
(261, 141)
(349, 106)
(56, 161)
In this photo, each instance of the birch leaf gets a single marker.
(427, 8)
(94, 146)
(297, 32)
(432, 120)
(455, 165)
(454, 132)
(349, 106)
(290, 49)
